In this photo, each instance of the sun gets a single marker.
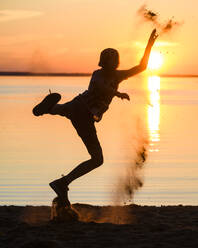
(155, 60)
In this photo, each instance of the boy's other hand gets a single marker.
(124, 96)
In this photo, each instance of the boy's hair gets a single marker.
(109, 58)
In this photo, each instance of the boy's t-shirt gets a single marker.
(101, 91)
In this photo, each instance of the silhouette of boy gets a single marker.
(87, 108)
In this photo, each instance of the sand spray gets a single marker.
(153, 17)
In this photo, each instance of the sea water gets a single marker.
(36, 150)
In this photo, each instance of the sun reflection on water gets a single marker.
(154, 112)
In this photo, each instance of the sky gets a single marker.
(68, 35)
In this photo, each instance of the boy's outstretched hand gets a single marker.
(153, 37)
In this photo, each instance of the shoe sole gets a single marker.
(48, 102)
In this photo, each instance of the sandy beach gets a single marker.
(127, 226)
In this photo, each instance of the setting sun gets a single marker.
(155, 60)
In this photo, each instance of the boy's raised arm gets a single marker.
(144, 61)
(145, 58)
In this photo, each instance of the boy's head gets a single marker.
(109, 59)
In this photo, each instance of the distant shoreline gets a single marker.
(178, 75)
(53, 74)
(77, 74)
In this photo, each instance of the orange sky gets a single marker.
(68, 35)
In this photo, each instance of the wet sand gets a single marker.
(127, 226)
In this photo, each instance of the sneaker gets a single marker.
(61, 189)
(45, 106)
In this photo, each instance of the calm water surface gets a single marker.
(37, 150)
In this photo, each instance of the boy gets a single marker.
(89, 107)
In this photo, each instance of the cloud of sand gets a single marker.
(147, 14)
(132, 179)
(153, 17)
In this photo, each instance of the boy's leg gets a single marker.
(57, 109)
(89, 137)
(60, 109)
(87, 131)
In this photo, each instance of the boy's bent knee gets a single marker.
(98, 160)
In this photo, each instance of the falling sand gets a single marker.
(132, 178)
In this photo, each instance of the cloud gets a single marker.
(10, 15)
(142, 45)
(157, 44)
(166, 44)
(61, 51)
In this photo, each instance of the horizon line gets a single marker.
(75, 74)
